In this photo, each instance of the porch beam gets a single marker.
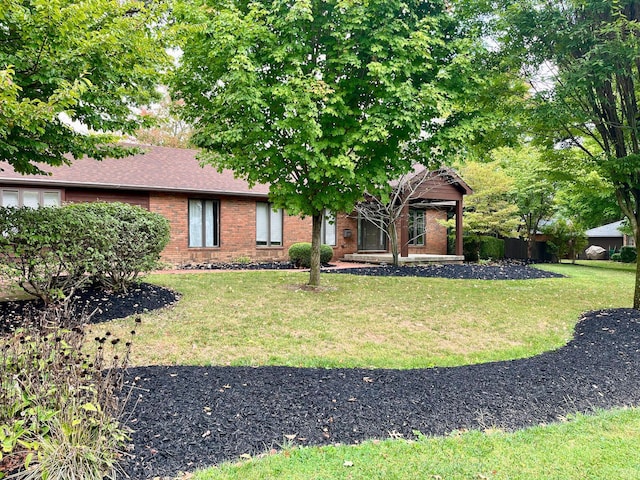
(459, 232)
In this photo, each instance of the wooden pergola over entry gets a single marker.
(443, 188)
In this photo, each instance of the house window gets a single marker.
(203, 223)
(268, 225)
(27, 197)
(328, 229)
(416, 227)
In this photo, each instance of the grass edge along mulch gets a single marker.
(601, 445)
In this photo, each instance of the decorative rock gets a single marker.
(595, 252)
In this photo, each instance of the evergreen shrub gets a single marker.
(300, 254)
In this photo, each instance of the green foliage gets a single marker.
(565, 239)
(130, 241)
(471, 248)
(616, 257)
(582, 58)
(300, 254)
(88, 62)
(58, 405)
(534, 187)
(628, 254)
(490, 210)
(482, 247)
(323, 100)
(491, 248)
(50, 252)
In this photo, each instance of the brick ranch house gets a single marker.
(217, 218)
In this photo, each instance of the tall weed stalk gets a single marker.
(60, 406)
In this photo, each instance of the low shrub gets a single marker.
(132, 242)
(616, 257)
(51, 252)
(59, 406)
(491, 248)
(48, 251)
(300, 254)
(482, 247)
(471, 248)
(628, 254)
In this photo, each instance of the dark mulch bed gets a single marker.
(107, 305)
(188, 417)
(504, 271)
(238, 266)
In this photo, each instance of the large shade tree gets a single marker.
(321, 99)
(582, 58)
(71, 72)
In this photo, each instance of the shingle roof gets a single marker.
(608, 230)
(158, 169)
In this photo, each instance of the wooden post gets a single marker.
(459, 245)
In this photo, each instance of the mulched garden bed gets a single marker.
(140, 298)
(500, 271)
(188, 417)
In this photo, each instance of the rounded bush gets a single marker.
(628, 254)
(300, 254)
(470, 248)
(615, 257)
(491, 248)
(131, 241)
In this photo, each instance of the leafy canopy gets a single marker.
(323, 100)
(63, 61)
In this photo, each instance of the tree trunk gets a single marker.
(636, 290)
(393, 240)
(314, 273)
(531, 242)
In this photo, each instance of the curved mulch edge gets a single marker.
(190, 417)
(502, 271)
(140, 298)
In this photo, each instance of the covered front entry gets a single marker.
(370, 237)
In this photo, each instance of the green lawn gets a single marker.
(268, 318)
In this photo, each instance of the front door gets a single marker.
(370, 237)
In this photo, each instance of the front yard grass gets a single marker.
(602, 446)
(266, 318)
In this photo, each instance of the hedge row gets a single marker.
(52, 251)
(483, 248)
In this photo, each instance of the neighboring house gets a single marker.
(215, 217)
(609, 236)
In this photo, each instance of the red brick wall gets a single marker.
(436, 241)
(237, 232)
(238, 225)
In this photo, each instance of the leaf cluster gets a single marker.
(52, 251)
(323, 100)
(85, 63)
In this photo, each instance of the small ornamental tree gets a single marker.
(322, 100)
(389, 213)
